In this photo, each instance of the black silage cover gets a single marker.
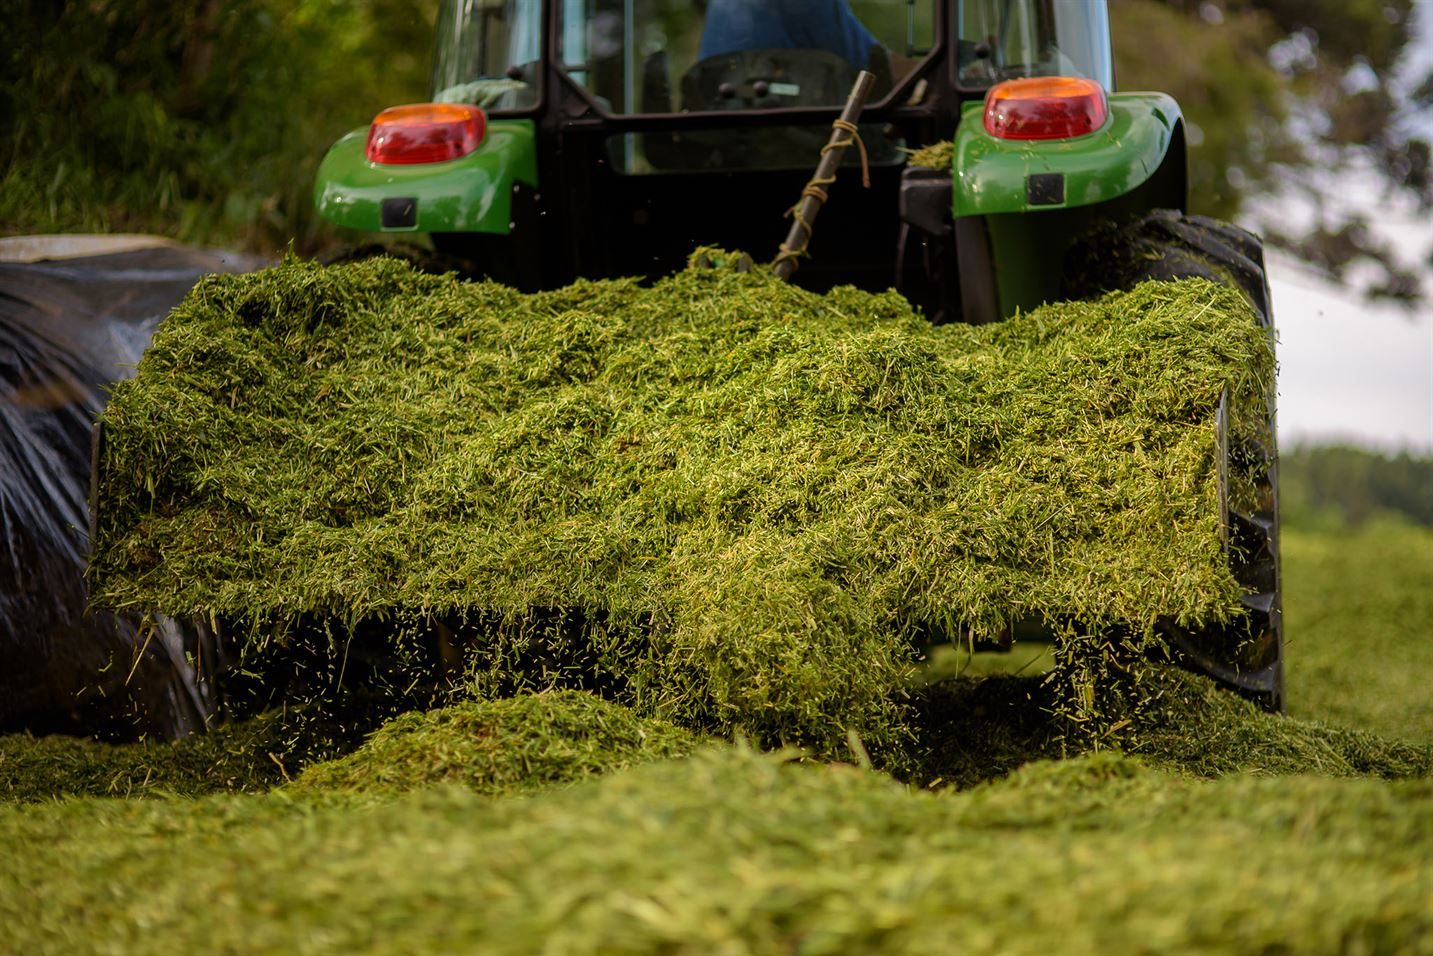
(68, 330)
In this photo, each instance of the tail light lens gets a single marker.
(425, 133)
(1045, 107)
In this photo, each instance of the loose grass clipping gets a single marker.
(747, 501)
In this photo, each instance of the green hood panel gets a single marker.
(991, 175)
(470, 194)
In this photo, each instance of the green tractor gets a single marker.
(600, 138)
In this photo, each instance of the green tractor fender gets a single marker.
(1012, 208)
(470, 194)
(993, 176)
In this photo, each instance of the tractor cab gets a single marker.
(596, 138)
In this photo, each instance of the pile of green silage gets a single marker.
(509, 745)
(512, 744)
(732, 851)
(241, 756)
(746, 499)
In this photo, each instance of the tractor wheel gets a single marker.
(1247, 655)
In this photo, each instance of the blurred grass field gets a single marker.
(730, 851)
(1358, 607)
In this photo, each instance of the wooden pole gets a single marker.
(843, 134)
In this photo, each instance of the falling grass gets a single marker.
(966, 731)
(744, 501)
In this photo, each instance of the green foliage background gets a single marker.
(1221, 79)
(201, 120)
(1358, 607)
(1338, 486)
(1241, 68)
(1275, 92)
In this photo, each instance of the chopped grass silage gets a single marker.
(750, 497)
(520, 743)
(244, 756)
(935, 156)
(1195, 727)
(972, 730)
(731, 851)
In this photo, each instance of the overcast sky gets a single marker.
(1350, 369)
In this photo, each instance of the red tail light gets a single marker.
(425, 133)
(1045, 107)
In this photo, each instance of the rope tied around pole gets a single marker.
(814, 195)
(813, 190)
(849, 127)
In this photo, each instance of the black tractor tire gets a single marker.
(1247, 655)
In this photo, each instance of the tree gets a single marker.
(202, 119)
(1276, 90)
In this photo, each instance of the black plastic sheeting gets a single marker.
(69, 329)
